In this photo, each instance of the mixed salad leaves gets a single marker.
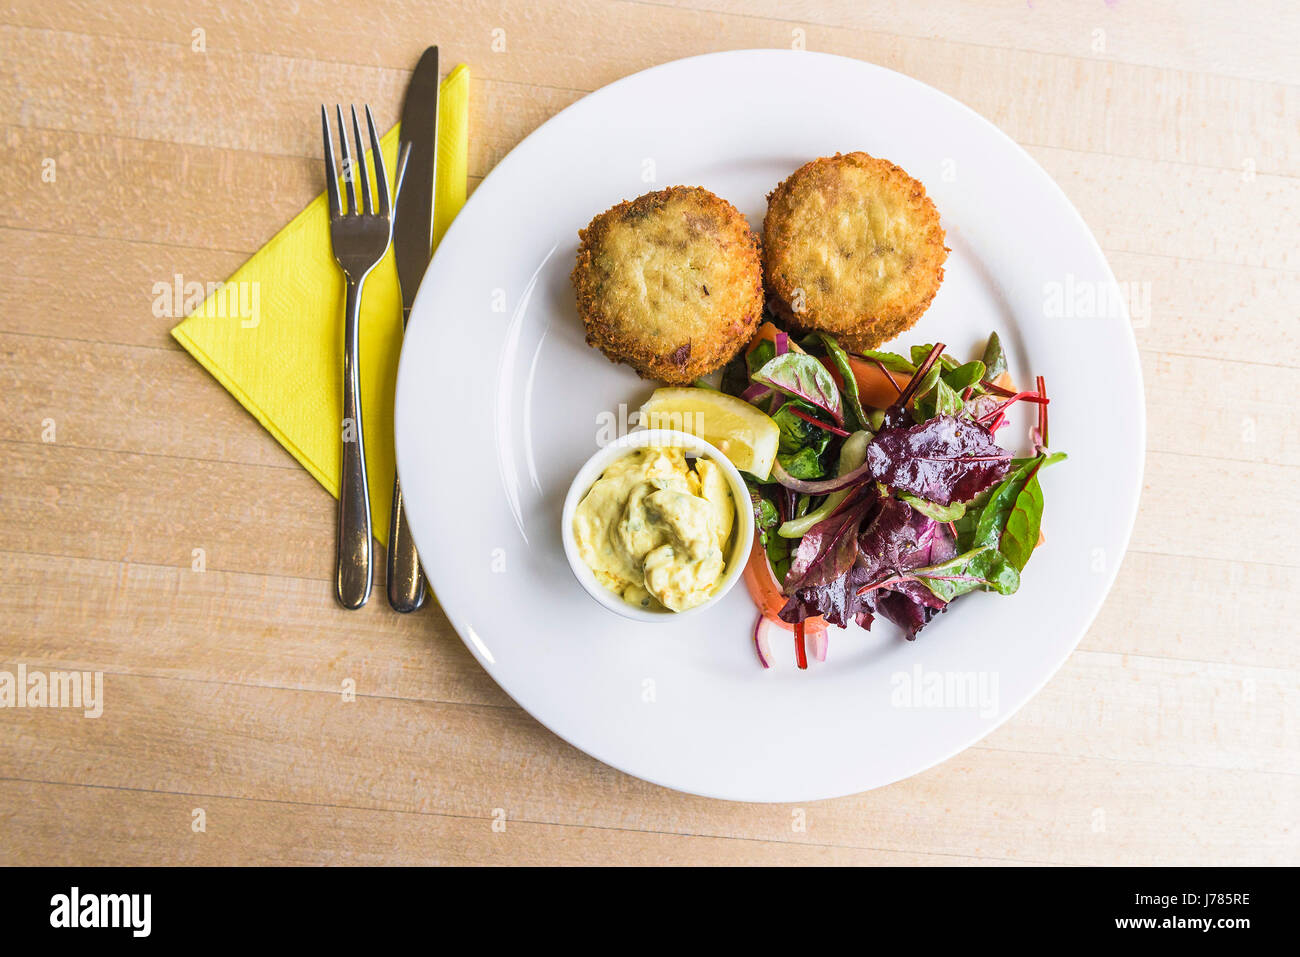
(890, 495)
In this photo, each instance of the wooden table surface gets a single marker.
(1169, 736)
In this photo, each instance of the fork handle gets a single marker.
(353, 556)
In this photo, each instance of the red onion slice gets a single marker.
(761, 644)
(818, 641)
(821, 486)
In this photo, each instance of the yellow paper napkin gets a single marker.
(273, 333)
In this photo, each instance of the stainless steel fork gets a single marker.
(360, 237)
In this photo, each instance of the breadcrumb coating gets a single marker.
(669, 283)
(852, 246)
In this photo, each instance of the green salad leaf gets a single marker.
(762, 354)
(985, 569)
(766, 516)
(941, 399)
(964, 376)
(921, 353)
(995, 360)
(1020, 537)
(802, 444)
(890, 360)
(940, 513)
(804, 464)
(1015, 498)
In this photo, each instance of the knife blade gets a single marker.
(412, 249)
(413, 223)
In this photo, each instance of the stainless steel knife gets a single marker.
(412, 248)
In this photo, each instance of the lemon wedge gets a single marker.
(739, 431)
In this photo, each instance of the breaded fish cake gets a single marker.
(670, 283)
(852, 246)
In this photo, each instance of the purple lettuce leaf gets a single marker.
(887, 543)
(892, 538)
(898, 540)
(934, 543)
(909, 615)
(838, 601)
(946, 459)
(829, 549)
(827, 570)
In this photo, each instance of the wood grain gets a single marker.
(133, 540)
(424, 757)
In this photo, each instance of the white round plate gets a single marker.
(500, 401)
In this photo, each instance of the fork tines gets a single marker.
(350, 164)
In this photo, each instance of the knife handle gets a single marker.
(353, 555)
(406, 590)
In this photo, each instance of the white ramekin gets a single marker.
(694, 447)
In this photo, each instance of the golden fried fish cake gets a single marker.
(669, 283)
(852, 246)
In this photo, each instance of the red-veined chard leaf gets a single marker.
(802, 376)
(840, 359)
(887, 540)
(985, 568)
(894, 538)
(838, 602)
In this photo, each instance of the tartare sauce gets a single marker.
(654, 530)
